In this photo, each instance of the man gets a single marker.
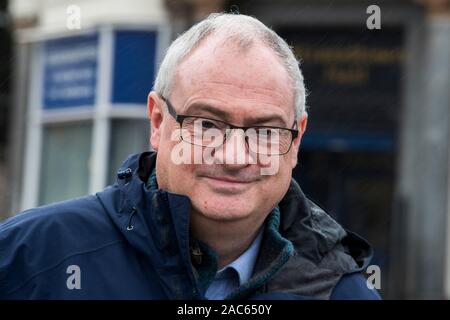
(214, 212)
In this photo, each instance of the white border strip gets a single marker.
(101, 125)
(33, 143)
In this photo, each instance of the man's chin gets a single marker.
(224, 212)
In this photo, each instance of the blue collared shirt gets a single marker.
(236, 273)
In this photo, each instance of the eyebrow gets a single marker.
(223, 115)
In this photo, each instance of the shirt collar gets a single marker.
(246, 261)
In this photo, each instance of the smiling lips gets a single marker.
(232, 180)
(228, 185)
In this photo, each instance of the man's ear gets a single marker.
(155, 114)
(301, 125)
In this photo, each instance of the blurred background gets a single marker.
(74, 78)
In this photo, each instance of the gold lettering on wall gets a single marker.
(346, 75)
(350, 54)
(348, 65)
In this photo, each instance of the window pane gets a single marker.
(127, 137)
(65, 162)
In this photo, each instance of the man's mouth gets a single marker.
(231, 180)
(227, 184)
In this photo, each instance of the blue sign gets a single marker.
(134, 66)
(70, 72)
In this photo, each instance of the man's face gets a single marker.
(244, 88)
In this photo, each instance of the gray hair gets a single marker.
(243, 30)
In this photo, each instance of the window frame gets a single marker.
(101, 114)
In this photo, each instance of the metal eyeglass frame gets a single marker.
(180, 118)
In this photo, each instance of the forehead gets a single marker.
(220, 69)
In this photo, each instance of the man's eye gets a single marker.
(208, 125)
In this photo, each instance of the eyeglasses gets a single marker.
(213, 133)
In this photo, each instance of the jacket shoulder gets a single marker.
(75, 217)
(354, 287)
(39, 239)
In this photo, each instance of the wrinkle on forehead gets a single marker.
(258, 90)
(226, 93)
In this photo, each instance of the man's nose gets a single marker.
(235, 150)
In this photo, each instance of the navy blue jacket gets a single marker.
(131, 241)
